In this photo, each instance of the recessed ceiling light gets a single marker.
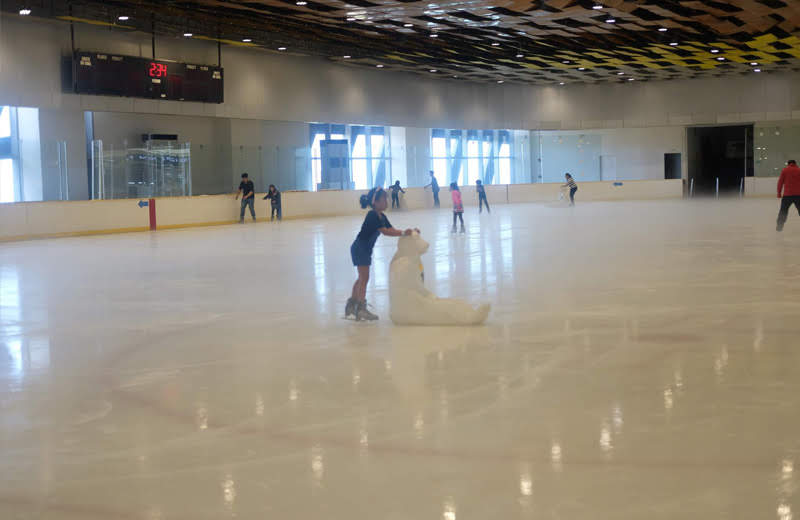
(379, 65)
(500, 81)
(561, 83)
(188, 35)
(281, 48)
(597, 7)
(581, 68)
(301, 2)
(434, 35)
(756, 70)
(674, 44)
(662, 29)
(714, 51)
(495, 44)
(720, 59)
(520, 55)
(620, 73)
(24, 12)
(455, 76)
(351, 19)
(123, 18)
(631, 79)
(247, 40)
(754, 63)
(347, 56)
(611, 20)
(408, 25)
(434, 70)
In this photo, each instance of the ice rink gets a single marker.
(640, 361)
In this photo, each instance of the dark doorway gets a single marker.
(672, 166)
(720, 152)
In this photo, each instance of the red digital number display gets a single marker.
(158, 70)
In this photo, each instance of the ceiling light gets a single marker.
(520, 55)
(720, 59)
(597, 7)
(610, 20)
(756, 70)
(301, 2)
(714, 51)
(434, 35)
(674, 44)
(500, 81)
(662, 29)
(581, 68)
(434, 70)
(631, 79)
(281, 48)
(753, 63)
(351, 19)
(247, 40)
(495, 44)
(188, 35)
(347, 57)
(620, 73)
(379, 65)
(24, 12)
(408, 25)
(455, 76)
(123, 18)
(561, 83)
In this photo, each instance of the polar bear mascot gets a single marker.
(412, 304)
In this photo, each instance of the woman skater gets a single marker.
(375, 223)
(458, 206)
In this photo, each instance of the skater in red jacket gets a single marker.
(788, 191)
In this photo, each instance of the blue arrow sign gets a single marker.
(143, 203)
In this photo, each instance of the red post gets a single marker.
(151, 205)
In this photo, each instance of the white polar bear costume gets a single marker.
(412, 304)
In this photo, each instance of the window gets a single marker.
(439, 155)
(359, 156)
(7, 192)
(486, 152)
(504, 161)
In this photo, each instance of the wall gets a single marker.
(273, 86)
(47, 219)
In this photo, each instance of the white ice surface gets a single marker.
(641, 361)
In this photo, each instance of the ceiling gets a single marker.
(513, 41)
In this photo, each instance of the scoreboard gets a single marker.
(130, 76)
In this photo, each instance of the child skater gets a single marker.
(458, 206)
(395, 195)
(375, 223)
(572, 188)
(481, 197)
(275, 198)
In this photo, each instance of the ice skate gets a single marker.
(362, 314)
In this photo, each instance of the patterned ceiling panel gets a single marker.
(526, 41)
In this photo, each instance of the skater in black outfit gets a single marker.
(247, 190)
(572, 188)
(395, 188)
(481, 197)
(275, 199)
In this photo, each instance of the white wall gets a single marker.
(273, 86)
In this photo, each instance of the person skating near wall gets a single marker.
(434, 185)
(247, 190)
(458, 206)
(481, 197)
(572, 188)
(396, 190)
(788, 191)
(275, 201)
